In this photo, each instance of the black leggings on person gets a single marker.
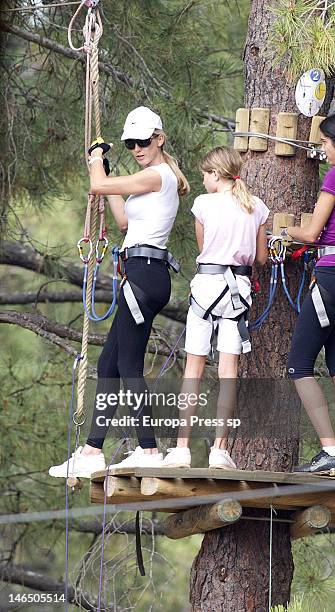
(123, 353)
(309, 337)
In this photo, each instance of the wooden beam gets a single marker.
(202, 519)
(310, 521)
(124, 486)
(180, 488)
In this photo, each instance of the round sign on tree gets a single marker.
(310, 92)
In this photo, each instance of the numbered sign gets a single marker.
(310, 92)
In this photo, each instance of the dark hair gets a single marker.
(327, 127)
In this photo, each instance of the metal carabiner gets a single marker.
(115, 256)
(81, 250)
(99, 256)
(78, 423)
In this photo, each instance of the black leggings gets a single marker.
(309, 337)
(123, 353)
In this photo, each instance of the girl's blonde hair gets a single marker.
(228, 164)
(183, 185)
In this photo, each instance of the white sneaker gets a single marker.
(138, 458)
(80, 465)
(219, 458)
(177, 458)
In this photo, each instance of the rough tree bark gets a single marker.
(231, 571)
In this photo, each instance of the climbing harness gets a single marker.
(134, 294)
(240, 305)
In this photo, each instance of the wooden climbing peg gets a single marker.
(281, 220)
(287, 126)
(242, 125)
(259, 122)
(315, 134)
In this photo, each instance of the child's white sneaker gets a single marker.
(177, 458)
(138, 458)
(80, 465)
(220, 458)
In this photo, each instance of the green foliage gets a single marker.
(303, 36)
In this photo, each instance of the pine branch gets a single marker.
(108, 69)
(27, 577)
(56, 333)
(95, 527)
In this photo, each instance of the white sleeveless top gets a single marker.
(151, 215)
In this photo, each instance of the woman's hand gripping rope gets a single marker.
(98, 149)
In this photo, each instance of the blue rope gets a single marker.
(287, 293)
(301, 287)
(94, 316)
(272, 291)
(76, 361)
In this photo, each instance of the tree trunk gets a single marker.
(231, 570)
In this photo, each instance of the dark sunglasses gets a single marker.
(132, 142)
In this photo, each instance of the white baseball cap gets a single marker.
(141, 124)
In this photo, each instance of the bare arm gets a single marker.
(199, 233)
(144, 181)
(116, 204)
(261, 245)
(321, 214)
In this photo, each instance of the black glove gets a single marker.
(99, 142)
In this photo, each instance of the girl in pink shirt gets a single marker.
(231, 235)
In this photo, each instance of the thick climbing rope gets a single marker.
(95, 204)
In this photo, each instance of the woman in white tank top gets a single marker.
(146, 218)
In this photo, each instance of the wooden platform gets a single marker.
(173, 490)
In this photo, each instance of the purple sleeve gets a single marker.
(328, 183)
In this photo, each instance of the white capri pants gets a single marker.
(205, 289)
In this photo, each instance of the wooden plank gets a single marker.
(99, 476)
(287, 125)
(247, 475)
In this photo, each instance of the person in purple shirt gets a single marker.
(309, 335)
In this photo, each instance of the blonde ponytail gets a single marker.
(183, 185)
(228, 164)
(243, 195)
